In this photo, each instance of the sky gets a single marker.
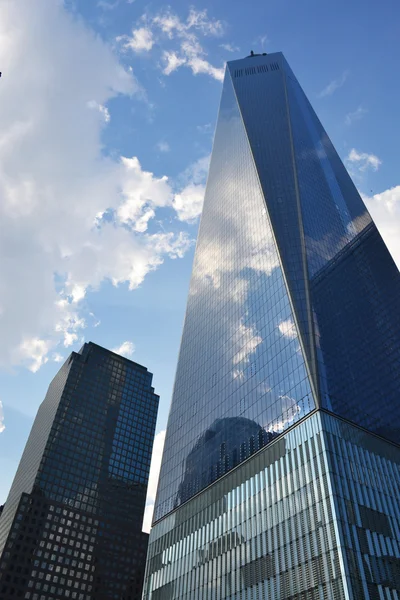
(108, 109)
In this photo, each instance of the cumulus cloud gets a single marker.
(172, 61)
(334, 85)
(125, 349)
(33, 352)
(363, 160)
(56, 186)
(2, 426)
(182, 37)
(141, 40)
(197, 20)
(197, 172)
(156, 457)
(356, 115)
(189, 202)
(385, 210)
(142, 194)
(57, 357)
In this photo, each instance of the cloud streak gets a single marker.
(230, 47)
(334, 85)
(356, 115)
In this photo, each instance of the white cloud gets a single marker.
(103, 110)
(33, 352)
(230, 47)
(261, 40)
(194, 55)
(189, 203)
(57, 357)
(56, 186)
(172, 62)
(385, 210)
(163, 146)
(356, 115)
(141, 40)
(78, 292)
(196, 172)
(142, 193)
(197, 20)
(288, 329)
(2, 426)
(125, 349)
(156, 457)
(168, 27)
(334, 85)
(363, 160)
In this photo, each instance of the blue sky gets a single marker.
(106, 125)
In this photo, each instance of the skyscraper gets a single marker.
(72, 523)
(280, 474)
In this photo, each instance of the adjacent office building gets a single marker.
(71, 527)
(280, 475)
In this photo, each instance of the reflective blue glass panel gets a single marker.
(241, 378)
(77, 502)
(354, 284)
(264, 105)
(293, 296)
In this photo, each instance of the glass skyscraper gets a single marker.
(280, 475)
(71, 527)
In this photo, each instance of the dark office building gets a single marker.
(72, 523)
(280, 476)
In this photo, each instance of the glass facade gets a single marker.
(72, 524)
(280, 475)
(241, 377)
(354, 284)
(294, 301)
(313, 516)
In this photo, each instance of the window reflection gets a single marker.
(241, 356)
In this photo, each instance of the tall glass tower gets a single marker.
(71, 527)
(280, 476)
